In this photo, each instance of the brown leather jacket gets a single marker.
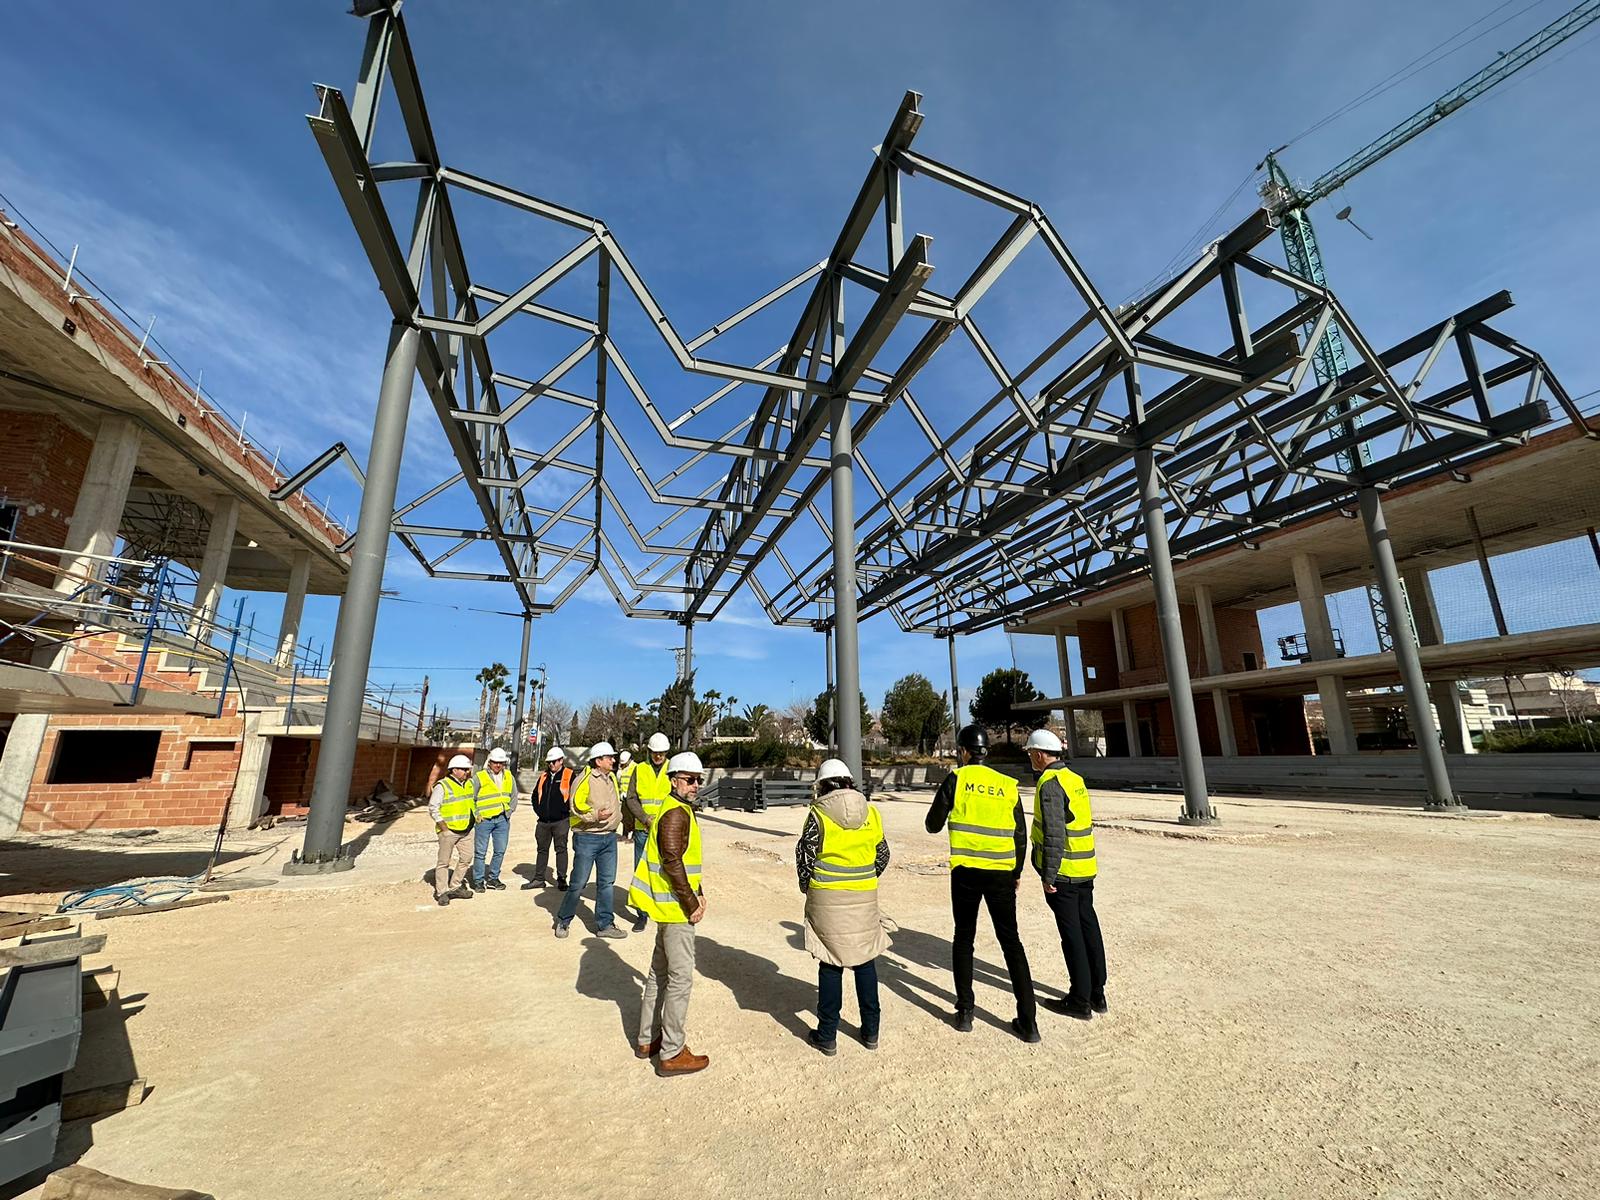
(672, 839)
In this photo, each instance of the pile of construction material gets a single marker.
(383, 803)
(45, 990)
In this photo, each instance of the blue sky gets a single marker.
(723, 144)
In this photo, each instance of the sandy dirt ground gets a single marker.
(1316, 1001)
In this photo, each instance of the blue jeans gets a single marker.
(597, 851)
(498, 829)
(830, 998)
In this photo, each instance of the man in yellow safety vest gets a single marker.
(596, 813)
(1062, 839)
(496, 796)
(666, 886)
(647, 787)
(450, 805)
(988, 840)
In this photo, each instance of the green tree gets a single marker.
(733, 727)
(669, 711)
(913, 713)
(762, 722)
(820, 712)
(492, 681)
(994, 704)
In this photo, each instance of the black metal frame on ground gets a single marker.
(1116, 446)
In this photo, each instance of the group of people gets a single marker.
(841, 854)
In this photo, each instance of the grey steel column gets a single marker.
(688, 685)
(1191, 765)
(833, 706)
(358, 615)
(846, 648)
(955, 706)
(517, 738)
(1440, 795)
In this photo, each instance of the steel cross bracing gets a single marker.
(986, 505)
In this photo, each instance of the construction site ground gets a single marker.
(1307, 1000)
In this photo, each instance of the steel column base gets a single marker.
(1452, 809)
(327, 866)
(1187, 818)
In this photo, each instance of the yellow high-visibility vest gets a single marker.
(580, 796)
(848, 861)
(624, 775)
(651, 893)
(495, 795)
(653, 786)
(457, 810)
(1077, 860)
(982, 823)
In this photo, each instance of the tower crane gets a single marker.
(1290, 204)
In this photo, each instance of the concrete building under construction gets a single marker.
(131, 694)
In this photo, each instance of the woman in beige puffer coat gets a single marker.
(841, 854)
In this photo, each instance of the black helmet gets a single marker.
(974, 739)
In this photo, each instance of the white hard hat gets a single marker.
(832, 769)
(600, 750)
(626, 758)
(1043, 739)
(460, 760)
(687, 763)
(658, 743)
(555, 755)
(499, 755)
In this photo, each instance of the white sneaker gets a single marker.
(561, 929)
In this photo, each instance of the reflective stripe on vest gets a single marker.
(653, 787)
(1077, 859)
(580, 796)
(651, 893)
(848, 860)
(982, 821)
(494, 793)
(456, 810)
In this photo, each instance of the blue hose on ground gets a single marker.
(129, 895)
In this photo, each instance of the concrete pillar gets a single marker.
(294, 605)
(1319, 640)
(1212, 645)
(1068, 714)
(250, 787)
(97, 514)
(1130, 711)
(17, 766)
(1440, 795)
(1445, 695)
(214, 565)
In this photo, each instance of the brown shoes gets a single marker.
(684, 1062)
(642, 1051)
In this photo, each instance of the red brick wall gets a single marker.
(42, 460)
(1098, 649)
(180, 791)
(292, 770)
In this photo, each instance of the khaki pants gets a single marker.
(452, 845)
(665, 1007)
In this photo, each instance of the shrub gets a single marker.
(1558, 739)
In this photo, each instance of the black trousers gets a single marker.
(996, 890)
(830, 998)
(1081, 943)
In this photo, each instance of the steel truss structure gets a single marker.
(1100, 448)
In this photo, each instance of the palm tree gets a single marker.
(760, 718)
